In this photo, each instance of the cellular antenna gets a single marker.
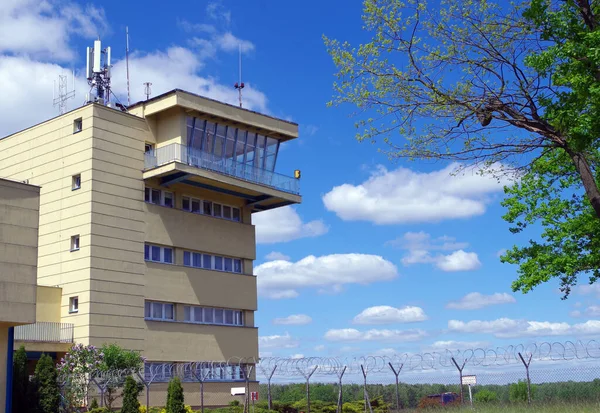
(147, 89)
(98, 73)
(240, 85)
(127, 64)
(60, 100)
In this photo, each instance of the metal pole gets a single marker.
(526, 364)
(269, 397)
(366, 393)
(396, 373)
(470, 395)
(202, 396)
(340, 403)
(9, 369)
(460, 370)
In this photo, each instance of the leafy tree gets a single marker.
(506, 86)
(76, 369)
(175, 402)
(131, 392)
(20, 381)
(46, 382)
(117, 358)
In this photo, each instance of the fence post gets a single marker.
(269, 397)
(307, 377)
(247, 374)
(526, 364)
(367, 399)
(460, 373)
(340, 391)
(396, 373)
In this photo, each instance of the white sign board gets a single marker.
(238, 391)
(469, 380)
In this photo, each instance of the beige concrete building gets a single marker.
(19, 206)
(146, 235)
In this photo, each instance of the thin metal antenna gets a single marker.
(127, 64)
(240, 85)
(147, 89)
(60, 100)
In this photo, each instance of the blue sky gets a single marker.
(380, 256)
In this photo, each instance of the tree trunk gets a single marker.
(587, 179)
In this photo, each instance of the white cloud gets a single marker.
(42, 29)
(475, 301)
(275, 256)
(509, 328)
(575, 314)
(353, 335)
(277, 341)
(297, 356)
(590, 311)
(385, 314)
(386, 352)
(320, 347)
(283, 279)
(420, 244)
(406, 196)
(293, 320)
(228, 42)
(593, 289)
(457, 345)
(283, 225)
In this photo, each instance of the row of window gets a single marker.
(201, 371)
(212, 262)
(159, 311)
(197, 206)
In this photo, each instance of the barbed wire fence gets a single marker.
(546, 362)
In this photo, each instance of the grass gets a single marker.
(550, 408)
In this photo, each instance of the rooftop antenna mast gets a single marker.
(98, 73)
(60, 100)
(147, 89)
(240, 85)
(127, 64)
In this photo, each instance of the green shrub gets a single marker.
(99, 410)
(20, 379)
(485, 396)
(46, 384)
(517, 392)
(131, 392)
(94, 404)
(175, 402)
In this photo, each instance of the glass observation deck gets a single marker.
(227, 150)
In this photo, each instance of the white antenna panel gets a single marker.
(97, 56)
(108, 62)
(88, 69)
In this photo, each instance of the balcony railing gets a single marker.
(45, 332)
(199, 159)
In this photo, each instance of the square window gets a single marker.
(155, 253)
(185, 203)
(226, 212)
(75, 243)
(196, 206)
(73, 304)
(207, 207)
(187, 258)
(168, 199)
(168, 256)
(155, 197)
(237, 266)
(76, 182)
(235, 212)
(207, 262)
(228, 264)
(197, 260)
(77, 125)
(217, 210)
(219, 263)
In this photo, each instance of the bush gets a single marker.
(94, 404)
(131, 391)
(175, 402)
(429, 403)
(485, 396)
(99, 410)
(20, 380)
(517, 392)
(46, 383)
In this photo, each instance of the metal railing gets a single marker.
(175, 152)
(45, 332)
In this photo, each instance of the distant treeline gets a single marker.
(324, 395)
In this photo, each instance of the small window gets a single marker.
(218, 263)
(237, 266)
(226, 212)
(228, 264)
(207, 208)
(148, 147)
(185, 203)
(217, 210)
(168, 199)
(73, 304)
(236, 214)
(159, 311)
(207, 262)
(77, 125)
(76, 182)
(187, 258)
(75, 243)
(168, 256)
(196, 206)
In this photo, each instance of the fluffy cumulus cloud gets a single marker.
(509, 328)
(444, 252)
(384, 314)
(590, 311)
(406, 196)
(277, 342)
(328, 273)
(293, 320)
(475, 301)
(284, 224)
(353, 335)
